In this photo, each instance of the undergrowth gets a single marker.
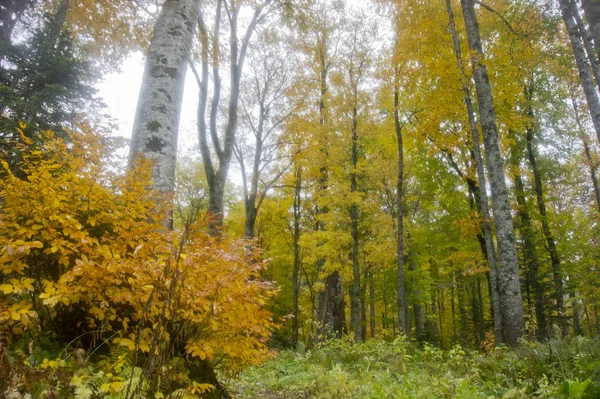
(559, 368)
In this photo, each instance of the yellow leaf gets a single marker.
(127, 342)
(7, 288)
(26, 139)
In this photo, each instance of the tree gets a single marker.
(508, 268)
(45, 83)
(211, 51)
(592, 14)
(585, 73)
(481, 181)
(156, 125)
(267, 104)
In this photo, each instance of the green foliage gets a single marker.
(44, 81)
(343, 369)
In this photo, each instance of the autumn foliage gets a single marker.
(86, 260)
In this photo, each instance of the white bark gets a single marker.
(156, 125)
(585, 73)
(511, 300)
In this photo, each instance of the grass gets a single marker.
(567, 368)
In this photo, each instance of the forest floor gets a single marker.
(567, 368)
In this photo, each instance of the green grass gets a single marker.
(568, 368)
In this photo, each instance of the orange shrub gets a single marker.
(77, 238)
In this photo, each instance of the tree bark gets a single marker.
(372, 304)
(401, 284)
(156, 125)
(323, 175)
(591, 8)
(481, 182)
(417, 305)
(511, 301)
(530, 258)
(592, 164)
(585, 74)
(333, 307)
(587, 43)
(216, 176)
(297, 260)
(356, 292)
(541, 202)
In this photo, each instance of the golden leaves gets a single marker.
(73, 233)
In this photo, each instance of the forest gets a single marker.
(383, 199)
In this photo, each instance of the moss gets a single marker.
(153, 126)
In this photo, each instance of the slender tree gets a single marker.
(265, 106)
(222, 145)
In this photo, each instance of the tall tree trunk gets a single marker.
(372, 304)
(593, 164)
(322, 210)
(156, 124)
(585, 74)
(587, 43)
(330, 301)
(363, 306)
(481, 182)
(333, 318)
(355, 316)
(530, 258)
(401, 284)
(541, 202)
(462, 311)
(417, 305)
(591, 8)
(511, 301)
(297, 260)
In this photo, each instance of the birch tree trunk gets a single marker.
(585, 73)
(591, 8)
(592, 164)
(156, 124)
(511, 301)
(481, 182)
(587, 43)
(530, 258)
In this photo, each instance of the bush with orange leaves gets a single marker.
(84, 258)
